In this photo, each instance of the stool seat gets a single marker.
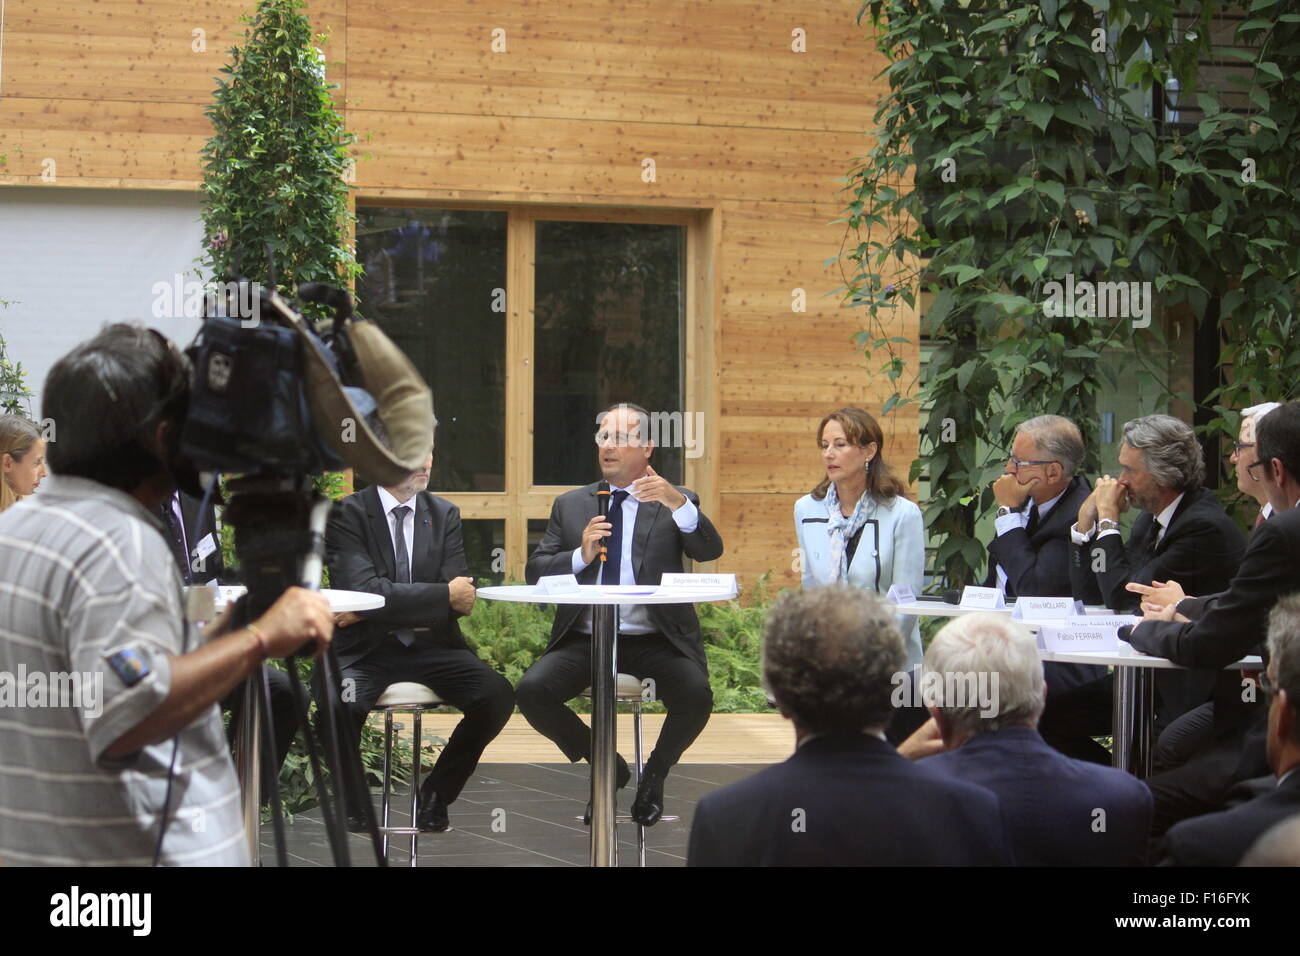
(407, 694)
(628, 688)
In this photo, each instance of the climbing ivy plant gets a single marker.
(1015, 149)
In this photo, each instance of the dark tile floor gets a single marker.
(521, 815)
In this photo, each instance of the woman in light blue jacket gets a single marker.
(857, 525)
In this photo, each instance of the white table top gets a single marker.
(943, 609)
(590, 594)
(340, 601)
(1126, 656)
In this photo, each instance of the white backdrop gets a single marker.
(72, 260)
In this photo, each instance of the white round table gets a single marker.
(340, 601)
(1132, 708)
(603, 599)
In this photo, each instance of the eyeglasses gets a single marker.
(1250, 470)
(1239, 446)
(1017, 463)
(1267, 685)
(617, 439)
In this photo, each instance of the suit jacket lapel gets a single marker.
(647, 513)
(380, 530)
(421, 544)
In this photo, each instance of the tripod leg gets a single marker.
(268, 755)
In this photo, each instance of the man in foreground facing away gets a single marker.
(1058, 811)
(831, 657)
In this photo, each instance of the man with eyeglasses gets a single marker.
(1215, 632)
(650, 528)
(1222, 839)
(1039, 496)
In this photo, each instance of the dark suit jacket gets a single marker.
(1233, 625)
(198, 524)
(1222, 839)
(1201, 550)
(657, 548)
(359, 552)
(848, 800)
(1038, 565)
(1049, 801)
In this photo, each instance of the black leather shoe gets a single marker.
(433, 811)
(648, 806)
(622, 777)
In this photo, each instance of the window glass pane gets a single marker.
(435, 282)
(610, 302)
(485, 544)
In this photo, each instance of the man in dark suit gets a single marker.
(1229, 627)
(1057, 811)
(1038, 498)
(1222, 839)
(405, 544)
(191, 530)
(651, 526)
(832, 658)
(1182, 534)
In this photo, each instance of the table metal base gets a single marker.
(604, 733)
(1132, 720)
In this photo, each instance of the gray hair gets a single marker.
(1169, 450)
(831, 656)
(1259, 411)
(1284, 649)
(993, 650)
(1056, 437)
(1279, 846)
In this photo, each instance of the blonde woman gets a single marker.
(22, 459)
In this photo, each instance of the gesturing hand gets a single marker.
(650, 487)
(1159, 593)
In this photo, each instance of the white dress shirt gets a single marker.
(1020, 519)
(632, 618)
(408, 525)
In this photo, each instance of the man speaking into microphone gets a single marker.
(648, 528)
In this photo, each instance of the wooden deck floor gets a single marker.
(727, 739)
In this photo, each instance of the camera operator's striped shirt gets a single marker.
(90, 615)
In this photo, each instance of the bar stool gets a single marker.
(630, 690)
(416, 698)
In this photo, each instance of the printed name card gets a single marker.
(1104, 620)
(900, 594)
(711, 582)
(1078, 636)
(1044, 608)
(986, 599)
(558, 584)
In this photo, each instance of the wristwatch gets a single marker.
(1003, 511)
(1107, 524)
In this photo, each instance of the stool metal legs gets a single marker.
(415, 782)
(636, 734)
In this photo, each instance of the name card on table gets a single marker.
(1044, 609)
(713, 582)
(985, 599)
(900, 594)
(1077, 636)
(558, 584)
(1103, 620)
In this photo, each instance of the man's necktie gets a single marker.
(1260, 519)
(405, 634)
(1032, 525)
(176, 537)
(614, 543)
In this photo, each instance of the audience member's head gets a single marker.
(1244, 453)
(1277, 443)
(22, 459)
(118, 401)
(1159, 459)
(1052, 449)
(830, 656)
(982, 673)
(1283, 684)
(1279, 846)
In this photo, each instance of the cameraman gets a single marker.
(90, 602)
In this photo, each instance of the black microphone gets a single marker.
(602, 504)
